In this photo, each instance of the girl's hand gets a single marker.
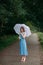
(19, 37)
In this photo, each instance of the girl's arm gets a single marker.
(24, 35)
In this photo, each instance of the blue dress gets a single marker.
(23, 46)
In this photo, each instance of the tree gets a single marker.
(20, 11)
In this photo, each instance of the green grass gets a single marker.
(40, 34)
(7, 40)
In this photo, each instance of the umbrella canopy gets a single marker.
(27, 29)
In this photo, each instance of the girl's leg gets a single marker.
(23, 58)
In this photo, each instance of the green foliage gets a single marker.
(7, 40)
(40, 34)
(32, 27)
(20, 11)
(11, 12)
(35, 12)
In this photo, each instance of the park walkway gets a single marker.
(10, 55)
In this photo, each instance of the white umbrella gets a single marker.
(27, 29)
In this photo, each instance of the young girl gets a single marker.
(23, 47)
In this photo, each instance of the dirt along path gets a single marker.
(10, 55)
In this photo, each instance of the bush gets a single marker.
(32, 27)
(7, 40)
(40, 34)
